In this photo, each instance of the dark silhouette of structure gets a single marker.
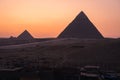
(11, 37)
(81, 27)
(25, 36)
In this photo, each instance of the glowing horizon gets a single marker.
(48, 18)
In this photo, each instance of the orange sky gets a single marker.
(47, 18)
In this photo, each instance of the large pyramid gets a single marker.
(25, 36)
(81, 27)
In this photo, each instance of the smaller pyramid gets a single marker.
(25, 36)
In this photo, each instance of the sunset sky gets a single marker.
(47, 18)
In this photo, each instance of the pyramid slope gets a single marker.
(81, 27)
(25, 36)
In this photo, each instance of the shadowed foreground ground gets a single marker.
(63, 53)
(59, 57)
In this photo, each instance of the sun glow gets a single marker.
(47, 18)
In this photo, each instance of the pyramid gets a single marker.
(25, 36)
(81, 27)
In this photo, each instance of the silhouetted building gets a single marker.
(11, 37)
(81, 27)
(25, 36)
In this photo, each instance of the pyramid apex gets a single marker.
(81, 15)
(82, 12)
(25, 30)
